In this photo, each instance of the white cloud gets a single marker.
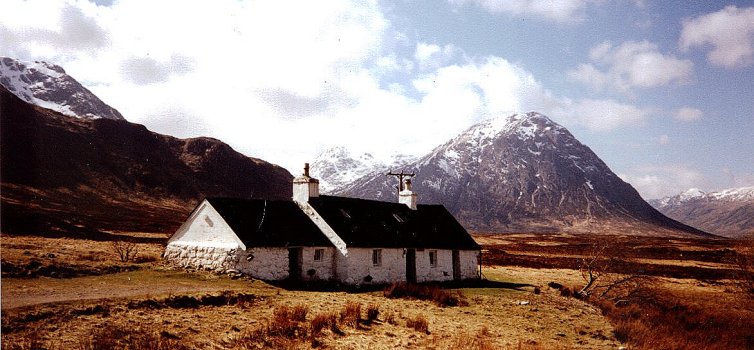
(729, 31)
(280, 84)
(435, 56)
(558, 11)
(657, 181)
(688, 114)
(601, 115)
(631, 65)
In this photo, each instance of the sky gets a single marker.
(662, 91)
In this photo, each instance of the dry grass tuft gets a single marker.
(323, 321)
(372, 312)
(351, 314)
(419, 323)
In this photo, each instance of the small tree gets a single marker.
(126, 250)
(598, 268)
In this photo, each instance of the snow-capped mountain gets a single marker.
(337, 166)
(48, 86)
(521, 172)
(728, 212)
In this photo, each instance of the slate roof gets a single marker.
(269, 223)
(358, 222)
(369, 223)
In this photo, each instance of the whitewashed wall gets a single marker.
(205, 227)
(358, 265)
(323, 270)
(442, 272)
(264, 263)
(469, 264)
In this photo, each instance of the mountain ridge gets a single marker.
(47, 85)
(728, 212)
(523, 172)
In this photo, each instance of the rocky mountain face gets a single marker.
(336, 167)
(63, 174)
(727, 213)
(524, 173)
(47, 85)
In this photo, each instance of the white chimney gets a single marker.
(407, 197)
(305, 187)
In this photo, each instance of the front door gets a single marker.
(410, 265)
(294, 263)
(456, 266)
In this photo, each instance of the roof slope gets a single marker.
(269, 223)
(368, 223)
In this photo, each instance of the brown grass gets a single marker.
(418, 323)
(436, 294)
(351, 314)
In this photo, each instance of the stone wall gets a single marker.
(269, 264)
(357, 268)
(219, 259)
(322, 270)
(469, 264)
(443, 271)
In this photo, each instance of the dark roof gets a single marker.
(368, 223)
(269, 223)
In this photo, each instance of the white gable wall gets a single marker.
(204, 241)
(205, 227)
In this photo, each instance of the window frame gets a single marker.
(319, 254)
(433, 258)
(376, 257)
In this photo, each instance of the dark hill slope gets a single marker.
(62, 174)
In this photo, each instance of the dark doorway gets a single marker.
(456, 266)
(410, 265)
(295, 263)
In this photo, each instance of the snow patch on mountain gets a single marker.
(694, 194)
(48, 86)
(337, 166)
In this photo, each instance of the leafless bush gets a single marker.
(600, 282)
(126, 250)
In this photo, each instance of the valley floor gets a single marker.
(179, 309)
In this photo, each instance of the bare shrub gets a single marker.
(351, 314)
(424, 292)
(127, 251)
(418, 323)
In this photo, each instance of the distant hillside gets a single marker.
(525, 173)
(68, 175)
(727, 213)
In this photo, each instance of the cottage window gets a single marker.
(377, 257)
(319, 254)
(208, 221)
(433, 258)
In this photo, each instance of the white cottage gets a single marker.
(313, 237)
